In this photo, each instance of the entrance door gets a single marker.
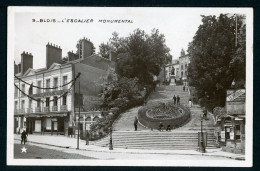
(38, 126)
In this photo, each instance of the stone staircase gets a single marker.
(155, 140)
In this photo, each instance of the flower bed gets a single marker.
(176, 119)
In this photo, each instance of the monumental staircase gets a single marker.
(156, 140)
(183, 138)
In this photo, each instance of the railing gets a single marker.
(46, 109)
(63, 108)
(21, 111)
(29, 110)
(54, 108)
(38, 109)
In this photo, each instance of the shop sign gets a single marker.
(50, 93)
(223, 138)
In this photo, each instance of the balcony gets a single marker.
(63, 108)
(38, 109)
(46, 109)
(54, 108)
(21, 111)
(29, 110)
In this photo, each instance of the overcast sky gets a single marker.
(179, 25)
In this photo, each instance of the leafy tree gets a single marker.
(104, 50)
(215, 57)
(143, 55)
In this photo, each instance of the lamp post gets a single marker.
(79, 113)
(110, 141)
(201, 144)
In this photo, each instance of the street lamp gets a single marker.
(79, 113)
(110, 142)
(201, 143)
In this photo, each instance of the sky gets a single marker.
(179, 25)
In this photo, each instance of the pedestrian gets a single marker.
(168, 128)
(178, 100)
(205, 112)
(161, 126)
(174, 100)
(23, 137)
(135, 123)
(190, 103)
(184, 88)
(87, 137)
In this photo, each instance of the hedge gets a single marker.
(154, 123)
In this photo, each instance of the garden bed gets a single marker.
(175, 119)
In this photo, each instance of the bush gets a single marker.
(154, 123)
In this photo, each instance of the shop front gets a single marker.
(231, 134)
(47, 123)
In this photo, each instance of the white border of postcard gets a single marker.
(85, 162)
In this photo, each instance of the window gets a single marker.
(47, 101)
(23, 89)
(55, 101)
(65, 82)
(64, 99)
(182, 67)
(30, 103)
(16, 105)
(48, 82)
(181, 74)
(55, 83)
(22, 107)
(30, 90)
(38, 102)
(15, 92)
(238, 133)
(39, 84)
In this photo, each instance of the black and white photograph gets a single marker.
(130, 86)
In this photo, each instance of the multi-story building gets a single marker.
(177, 70)
(55, 110)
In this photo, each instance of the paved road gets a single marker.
(40, 152)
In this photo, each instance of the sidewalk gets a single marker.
(71, 143)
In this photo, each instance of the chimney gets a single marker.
(85, 48)
(15, 68)
(72, 56)
(26, 62)
(53, 54)
(19, 68)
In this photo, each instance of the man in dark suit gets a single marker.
(174, 100)
(23, 137)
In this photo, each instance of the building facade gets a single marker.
(230, 127)
(176, 71)
(56, 110)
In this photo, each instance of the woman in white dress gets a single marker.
(190, 103)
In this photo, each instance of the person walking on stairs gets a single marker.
(135, 123)
(190, 103)
(174, 100)
(178, 100)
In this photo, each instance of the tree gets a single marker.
(143, 56)
(104, 50)
(213, 55)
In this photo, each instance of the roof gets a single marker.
(93, 60)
